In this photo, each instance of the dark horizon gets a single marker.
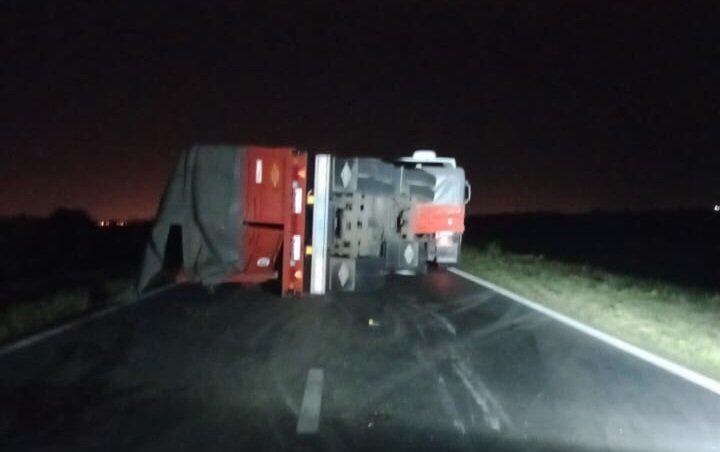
(548, 107)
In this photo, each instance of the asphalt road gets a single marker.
(431, 363)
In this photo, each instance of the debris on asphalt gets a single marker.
(376, 416)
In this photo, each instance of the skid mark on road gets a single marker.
(449, 406)
(480, 394)
(432, 355)
(444, 322)
(477, 301)
(446, 399)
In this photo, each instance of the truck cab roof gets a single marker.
(428, 158)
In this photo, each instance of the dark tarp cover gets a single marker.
(198, 223)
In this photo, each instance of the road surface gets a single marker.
(432, 363)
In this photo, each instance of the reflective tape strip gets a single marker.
(258, 171)
(297, 200)
(296, 249)
(320, 234)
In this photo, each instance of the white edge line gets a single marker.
(42, 335)
(30, 340)
(667, 365)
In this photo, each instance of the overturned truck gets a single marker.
(246, 215)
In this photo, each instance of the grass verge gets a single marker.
(18, 319)
(679, 323)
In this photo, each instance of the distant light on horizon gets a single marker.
(112, 223)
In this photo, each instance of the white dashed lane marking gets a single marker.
(309, 418)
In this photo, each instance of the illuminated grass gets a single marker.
(681, 324)
(22, 318)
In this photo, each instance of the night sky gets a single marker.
(548, 106)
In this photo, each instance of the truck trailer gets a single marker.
(263, 215)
